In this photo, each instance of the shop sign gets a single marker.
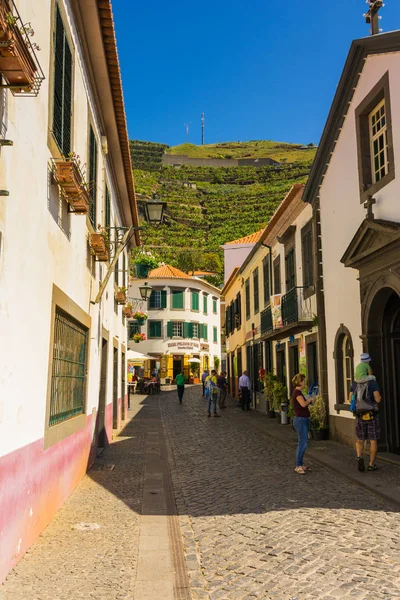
(256, 330)
(184, 345)
(205, 347)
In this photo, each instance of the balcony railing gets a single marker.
(266, 321)
(295, 308)
(291, 310)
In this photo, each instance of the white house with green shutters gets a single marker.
(183, 323)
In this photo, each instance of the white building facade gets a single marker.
(183, 323)
(357, 164)
(62, 382)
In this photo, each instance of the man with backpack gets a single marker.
(365, 397)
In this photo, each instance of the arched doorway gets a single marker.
(383, 336)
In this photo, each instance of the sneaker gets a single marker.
(372, 468)
(216, 415)
(360, 463)
(209, 415)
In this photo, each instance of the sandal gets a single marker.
(372, 468)
(307, 468)
(300, 470)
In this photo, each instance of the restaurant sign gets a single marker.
(184, 345)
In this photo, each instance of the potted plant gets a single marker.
(269, 382)
(17, 61)
(143, 263)
(318, 419)
(67, 173)
(290, 412)
(100, 245)
(139, 337)
(127, 310)
(120, 295)
(279, 396)
(140, 316)
(194, 368)
(217, 362)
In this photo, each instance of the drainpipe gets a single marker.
(319, 288)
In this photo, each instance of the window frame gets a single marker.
(381, 91)
(56, 146)
(308, 266)
(256, 291)
(277, 268)
(56, 433)
(247, 298)
(215, 305)
(267, 279)
(93, 172)
(342, 402)
(375, 137)
(205, 303)
(215, 334)
(194, 294)
(195, 335)
(176, 324)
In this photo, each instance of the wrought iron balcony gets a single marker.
(266, 321)
(295, 308)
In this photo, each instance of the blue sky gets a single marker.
(263, 70)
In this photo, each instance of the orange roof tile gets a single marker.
(197, 273)
(168, 272)
(248, 239)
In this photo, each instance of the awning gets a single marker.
(133, 355)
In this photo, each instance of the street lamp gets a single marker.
(154, 210)
(145, 291)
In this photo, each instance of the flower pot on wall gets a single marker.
(142, 270)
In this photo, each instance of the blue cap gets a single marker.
(365, 357)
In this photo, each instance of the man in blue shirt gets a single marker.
(367, 421)
(245, 389)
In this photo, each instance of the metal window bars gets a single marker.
(19, 64)
(69, 368)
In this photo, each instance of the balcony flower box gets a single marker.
(99, 246)
(17, 65)
(120, 296)
(68, 175)
(139, 337)
(140, 317)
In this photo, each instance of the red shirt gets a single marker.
(299, 411)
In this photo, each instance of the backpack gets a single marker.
(363, 401)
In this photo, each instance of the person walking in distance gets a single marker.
(245, 389)
(301, 420)
(222, 388)
(180, 385)
(203, 381)
(211, 383)
(364, 399)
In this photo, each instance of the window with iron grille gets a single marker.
(62, 92)
(158, 299)
(255, 291)
(107, 209)
(68, 377)
(92, 176)
(247, 286)
(195, 330)
(133, 327)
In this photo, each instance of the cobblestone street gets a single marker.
(251, 527)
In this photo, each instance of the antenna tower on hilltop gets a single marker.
(202, 129)
(372, 17)
(187, 127)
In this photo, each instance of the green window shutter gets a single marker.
(107, 211)
(177, 299)
(155, 329)
(62, 92)
(116, 272)
(205, 331)
(195, 300)
(163, 299)
(92, 176)
(170, 329)
(190, 330)
(201, 331)
(186, 330)
(205, 304)
(214, 306)
(215, 334)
